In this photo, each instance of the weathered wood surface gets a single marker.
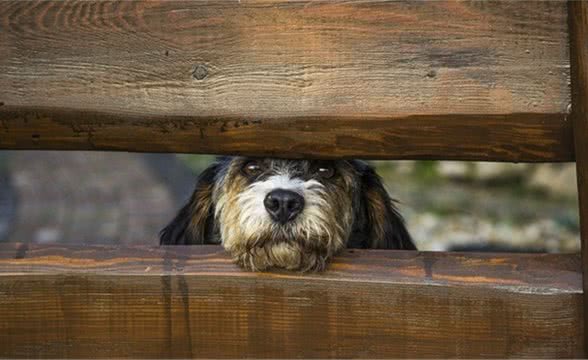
(193, 302)
(579, 54)
(372, 79)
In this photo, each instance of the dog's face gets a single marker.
(290, 214)
(284, 213)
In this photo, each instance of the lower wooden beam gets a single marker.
(193, 302)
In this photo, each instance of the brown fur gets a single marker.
(349, 208)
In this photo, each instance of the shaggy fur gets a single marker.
(344, 205)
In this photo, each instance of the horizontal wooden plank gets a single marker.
(525, 137)
(371, 79)
(193, 302)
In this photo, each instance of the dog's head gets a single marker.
(291, 214)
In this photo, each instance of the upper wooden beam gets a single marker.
(372, 79)
(193, 302)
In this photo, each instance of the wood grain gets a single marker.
(537, 137)
(372, 79)
(193, 302)
(579, 52)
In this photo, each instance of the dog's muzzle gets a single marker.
(283, 205)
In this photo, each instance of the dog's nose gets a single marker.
(283, 205)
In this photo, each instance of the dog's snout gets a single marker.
(283, 205)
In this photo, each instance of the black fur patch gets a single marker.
(180, 231)
(370, 216)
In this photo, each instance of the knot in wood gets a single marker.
(199, 72)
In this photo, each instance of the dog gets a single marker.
(288, 214)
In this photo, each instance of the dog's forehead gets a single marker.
(284, 166)
(302, 168)
(289, 165)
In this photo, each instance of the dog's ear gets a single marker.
(377, 221)
(194, 224)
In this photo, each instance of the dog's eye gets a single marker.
(325, 172)
(252, 168)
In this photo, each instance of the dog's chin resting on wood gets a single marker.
(288, 214)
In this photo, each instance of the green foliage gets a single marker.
(426, 171)
(196, 163)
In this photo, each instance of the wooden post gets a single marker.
(579, 59)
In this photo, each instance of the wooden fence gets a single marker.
(333, 79)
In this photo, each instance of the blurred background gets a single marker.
(77, 197)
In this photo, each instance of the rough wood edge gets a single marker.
(532, 137)
(519, 273)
